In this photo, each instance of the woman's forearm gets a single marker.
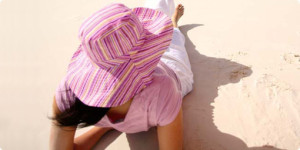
(90, 138)
(61, 138)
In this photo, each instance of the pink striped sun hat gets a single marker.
(119, 50)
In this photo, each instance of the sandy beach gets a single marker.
(245, 56)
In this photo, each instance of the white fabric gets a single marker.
(176, 56)
(166, 6)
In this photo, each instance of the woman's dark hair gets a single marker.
(80, 115)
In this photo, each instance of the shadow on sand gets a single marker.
(200, 132)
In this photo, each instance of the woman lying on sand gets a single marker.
(129, 73)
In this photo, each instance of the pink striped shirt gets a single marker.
(157, 104)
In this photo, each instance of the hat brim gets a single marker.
(112, 87)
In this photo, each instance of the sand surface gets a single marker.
(245, 55)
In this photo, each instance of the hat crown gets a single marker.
(111, 35)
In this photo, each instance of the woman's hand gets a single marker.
(170, 137)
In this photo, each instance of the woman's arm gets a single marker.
(170, 137)
(90, 138)
(62, 138)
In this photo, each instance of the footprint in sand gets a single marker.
(271, 87)
(278, 97)
(240, 73)
(292, 58)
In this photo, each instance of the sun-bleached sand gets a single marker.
(245, 57)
